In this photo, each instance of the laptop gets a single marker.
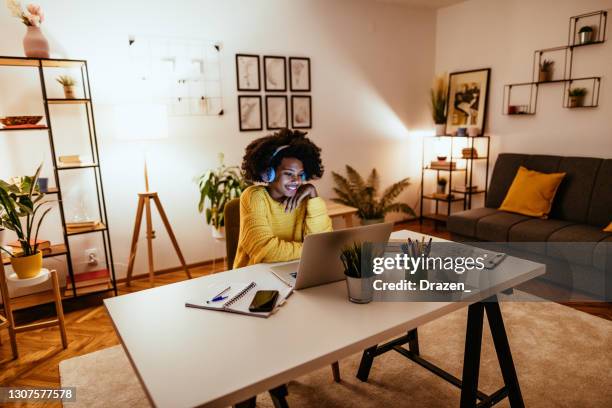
(320, 261)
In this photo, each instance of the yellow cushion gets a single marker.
(608, 228)
(532, 193)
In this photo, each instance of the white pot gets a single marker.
(218, 233)
(440, 129)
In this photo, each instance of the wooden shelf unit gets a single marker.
(63, 249)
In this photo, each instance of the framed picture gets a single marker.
(299, 74)
(277, 116)
(467, 100)
(301, 112)
(249, 113)
(247, 72)
(275, 73)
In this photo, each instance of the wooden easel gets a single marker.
(144, 203)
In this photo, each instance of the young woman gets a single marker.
(275, 217)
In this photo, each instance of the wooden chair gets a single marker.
(10, 320)
(232, 233)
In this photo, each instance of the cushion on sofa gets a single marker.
(532, 192)
(502, 177)
(575, 243)
(464, 222)
(495, 227)
(600, 209)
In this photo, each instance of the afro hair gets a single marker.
(258, 155)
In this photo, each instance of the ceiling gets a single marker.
(433, 4)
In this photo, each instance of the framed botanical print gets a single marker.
(277, 116)
(247, 72)
(301, 112)
(249, 113)
(299, 74)
(275, 73)
(467, 100)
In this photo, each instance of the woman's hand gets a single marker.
(304, 192)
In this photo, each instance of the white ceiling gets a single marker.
(434, 4)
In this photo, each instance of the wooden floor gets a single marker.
(89, 329)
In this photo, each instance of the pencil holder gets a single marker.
(418, 252)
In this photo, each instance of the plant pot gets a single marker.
(360, 290)
(371, 221)
(27, 267)
(545, 76)
(35, 44)
(441, 189)
(440, 129)
(576, 101)
(585, 37)
(69, 91)
(218, 233)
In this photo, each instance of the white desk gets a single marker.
(189, 357)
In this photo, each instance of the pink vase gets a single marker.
(35, 44)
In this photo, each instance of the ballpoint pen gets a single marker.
(219, 296)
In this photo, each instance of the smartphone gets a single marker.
(264, 301)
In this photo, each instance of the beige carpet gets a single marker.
(563, 358)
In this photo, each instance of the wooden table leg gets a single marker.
(336, 371)
(58, 308)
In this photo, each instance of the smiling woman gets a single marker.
(275, 218)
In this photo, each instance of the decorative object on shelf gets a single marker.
(441, 158)
(12, 121)
(439, 93)
(217, 187)
(441, 185)
(467, 99)
(247, 72)
(43, 184)
(275, 73)
(35, 45)
(356, 260)
(20, 199)
(299, 74)
(68, 83)
(301, 112)
(576, 97)
(585, 35)
(474, 131)
(461, 132)
(443, 164)
(469, 153)
(76, 227)
(70, 160)
(250, 113)
(277, 115)
(546, 70)
(354, 191)
(443, 196)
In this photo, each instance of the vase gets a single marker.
(218, 233)
(27, 267)
(576, 101)
(544, 76)
(35, 44)
(69, 91)
(440, 129)
(370, 221)
(360, 290)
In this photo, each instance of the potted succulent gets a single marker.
(585, 35)
(576, 97)
(441, 185)
(546, 70)
(363, 195)
(68, 83)
(35, 45)
(438, 104)
(217, 187)
(20, 200)
(356, 260)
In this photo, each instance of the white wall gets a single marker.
(371, 70)
(502, 35)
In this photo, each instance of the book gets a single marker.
(241, 294)
(82, 226)
(443, 165)
(42, 245)
(443, 196)
(91, 278)
(70, 159)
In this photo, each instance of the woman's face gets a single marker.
(288, 178)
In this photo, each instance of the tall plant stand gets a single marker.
(144, 208)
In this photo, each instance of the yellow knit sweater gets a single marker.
(269, 234)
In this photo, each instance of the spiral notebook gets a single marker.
(240, 296)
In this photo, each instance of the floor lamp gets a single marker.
(145, 122)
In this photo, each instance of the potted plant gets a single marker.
(217, 187)
(356, 260)
(442, 185)
(21, 200)
(546, 70)
(576, 97)
(438, 104)
(68, 83)
(585, 35)
(363, 195)
(35, 45)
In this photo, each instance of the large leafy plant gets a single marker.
(354, 191)
(21, 200)
(438, 100)
(217, 187)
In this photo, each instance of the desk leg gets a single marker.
(366, 363)
(336, 371)
(250, 403)
(278, 395)
(471, 356)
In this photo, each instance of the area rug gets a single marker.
(563, 358)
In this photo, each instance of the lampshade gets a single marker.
(144, 121)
